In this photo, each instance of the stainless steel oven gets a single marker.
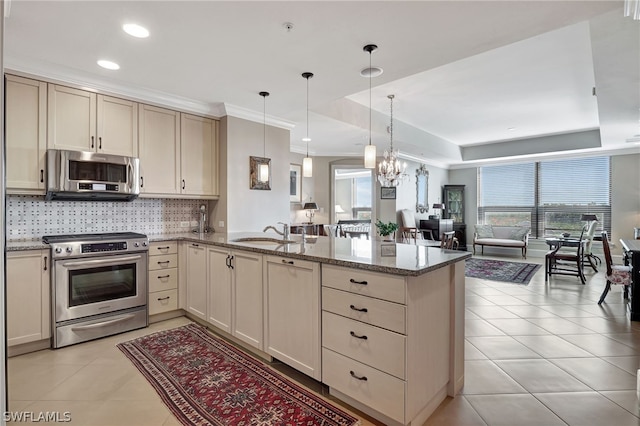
(98, 285)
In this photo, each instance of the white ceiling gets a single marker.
(463, 73)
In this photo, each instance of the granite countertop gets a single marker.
(372, 255)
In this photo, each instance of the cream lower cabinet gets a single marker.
(386, 341)
(163, 277)
(196, 274)
(26, 135)
(292, 316)
(28, 296)
(235, 294)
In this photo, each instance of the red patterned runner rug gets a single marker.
(206, 381)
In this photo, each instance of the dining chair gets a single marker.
(616, 274)
(449, 240)
(331, 230)
(408, 228)
(591, 258)
(562, 262)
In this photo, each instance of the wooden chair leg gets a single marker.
(625, 292)
(604, 293)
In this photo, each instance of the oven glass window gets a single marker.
(101, 284)
(97, 172)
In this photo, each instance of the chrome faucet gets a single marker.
(285, 230)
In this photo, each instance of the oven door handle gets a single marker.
(102, 262)
(103, 323)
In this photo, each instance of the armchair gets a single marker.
(408, 228)
(588, 254)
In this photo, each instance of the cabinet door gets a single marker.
(197, 280)
(453, 196)
(159, 150)
(28, 297)
(248, 321)
(117, 126)
(26, 134)
(292, 330)
(71, 119)
(219, 309)
(199, 153)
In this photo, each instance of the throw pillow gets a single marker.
(519, 234)
(484, 231)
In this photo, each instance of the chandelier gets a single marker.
(390, 170)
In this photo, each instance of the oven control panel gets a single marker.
(100, 247)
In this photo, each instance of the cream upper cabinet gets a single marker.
(199, 155)
(28, 296)
(117, 126)
(197, 280)
(159, 148)
(292, 324)
(84, 121)
(26, 135)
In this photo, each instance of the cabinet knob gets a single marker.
(355, 376)
(365, 310)
(357, 336)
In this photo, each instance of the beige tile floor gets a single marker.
(542, 354)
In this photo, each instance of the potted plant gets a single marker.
(386, 229)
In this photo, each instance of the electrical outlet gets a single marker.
(184, 224)
(221, 224)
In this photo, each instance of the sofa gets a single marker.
(502, 236)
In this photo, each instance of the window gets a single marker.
(549, 195)
(352, 192)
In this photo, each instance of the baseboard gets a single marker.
(26, 348)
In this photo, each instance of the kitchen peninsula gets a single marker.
(380, 323)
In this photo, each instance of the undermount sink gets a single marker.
(263, 240)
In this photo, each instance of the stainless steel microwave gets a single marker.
(77, 175)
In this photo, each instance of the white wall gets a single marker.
(247, 209)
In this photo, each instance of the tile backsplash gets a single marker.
(30, 217)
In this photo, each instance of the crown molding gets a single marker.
(251, 115)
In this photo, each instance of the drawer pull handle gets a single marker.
(359, 309)
(166, 262)
(358, 337)
(163, 298)
(288, 262)
(357, 282)
(163, 276)
(163, 248)
(195, 245)
(355, 376)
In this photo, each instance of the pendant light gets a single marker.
(263, 170)
(307, 162)
(370, 150)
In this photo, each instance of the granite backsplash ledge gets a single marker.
(30, 217)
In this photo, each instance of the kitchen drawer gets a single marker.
(163, 279)
(163, 247)
(374, 346)
(380, 391)
(163, 301)
(377, 312)
(164, 261)
(374, 284)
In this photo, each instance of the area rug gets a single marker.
(500, 270)
(207, 381)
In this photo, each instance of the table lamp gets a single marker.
(311, 208)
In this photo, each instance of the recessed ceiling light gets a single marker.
(136, 30)
(511, 129)
(108, 64)
(371, 72)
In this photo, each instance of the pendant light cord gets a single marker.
(391, 125)
(264, 123)
(370, 72)
(307, 116)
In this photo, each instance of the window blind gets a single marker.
(575, 182)
(507, 185)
